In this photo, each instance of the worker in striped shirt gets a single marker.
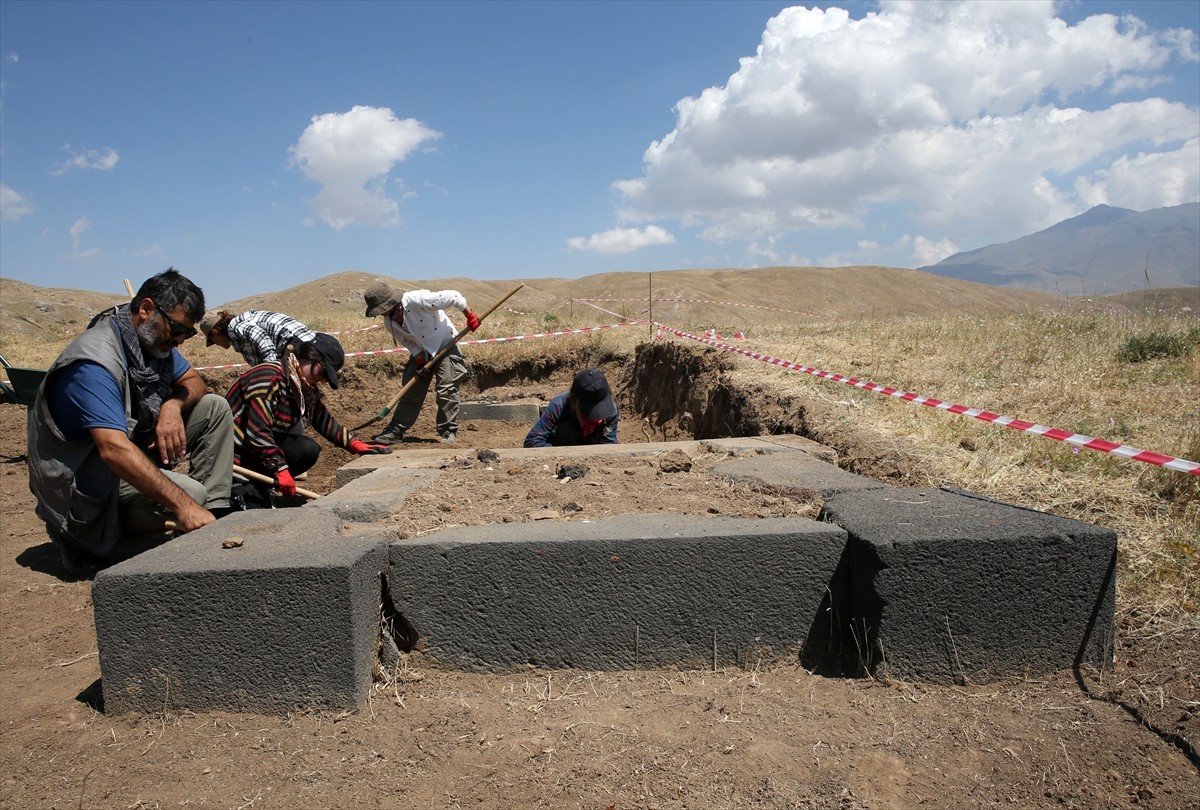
(259, 335)
(270, 406)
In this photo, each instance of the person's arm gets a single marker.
(124, 458)
(542, 431)
(609, 429)
(324, 423)
(260, 392)
(170, 435)
(442, 299)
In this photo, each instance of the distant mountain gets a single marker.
(1102, 251)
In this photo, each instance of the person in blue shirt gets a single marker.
(119, 408)
(585, 414)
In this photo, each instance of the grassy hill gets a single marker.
(812, 291)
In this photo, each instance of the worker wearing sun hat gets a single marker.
(417, 321)
(585, 414)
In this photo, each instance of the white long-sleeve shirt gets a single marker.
(426, 326)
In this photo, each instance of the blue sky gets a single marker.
(259, 145)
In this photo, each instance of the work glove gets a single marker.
(359, 447)
(285, 483)
(472, 319)
(420, 359)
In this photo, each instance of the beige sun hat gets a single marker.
(381, 298)
(210, 319)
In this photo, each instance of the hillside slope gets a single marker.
(814, 292)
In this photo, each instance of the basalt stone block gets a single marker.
(288, 618)
(794, 472)
(948, 586)
(619, 593)
(514, 411)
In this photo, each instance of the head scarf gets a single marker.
(150, 379)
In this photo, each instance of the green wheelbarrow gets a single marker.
(21, 387)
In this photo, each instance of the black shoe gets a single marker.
(249, 496)
(79, 563)
(389, 437)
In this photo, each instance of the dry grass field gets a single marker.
(1126, 369)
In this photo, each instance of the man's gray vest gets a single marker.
(77, 493)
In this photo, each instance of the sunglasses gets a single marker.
(177, 329)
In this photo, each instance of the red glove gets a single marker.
(472, 320)
(285, 483)
(362, 448)
(420, 359)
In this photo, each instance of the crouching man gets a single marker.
(118, 409)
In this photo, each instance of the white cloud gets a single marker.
(90, 253)
(99, 160)
(978, 119)
(80, 225)
(13, 204)
(1145, 180)
(150, 250)
(621, 240)
(350, 155)
(928, 251)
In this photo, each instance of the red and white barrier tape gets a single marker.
(1075, 439)
(555, 334)
(370, 328)
(602, 309)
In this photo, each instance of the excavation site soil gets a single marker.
(768, 734)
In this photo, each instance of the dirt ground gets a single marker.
(771, 736)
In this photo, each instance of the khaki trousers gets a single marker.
(209, 429)
(452, 370)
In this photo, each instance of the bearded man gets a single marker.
(119, 408)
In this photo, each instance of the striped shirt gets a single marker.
(264, 406)
(261, 336)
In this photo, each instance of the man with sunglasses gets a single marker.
(417, 320)
(119, 408)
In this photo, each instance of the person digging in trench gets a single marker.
(259, 335)
(418, 322)
(117, 410)
(585, 414)
(271, 403)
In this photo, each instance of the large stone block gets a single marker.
(524, 411)
(794, 472)
(949, 586)
(628, 592)
(289, 619)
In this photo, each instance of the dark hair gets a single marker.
(170, 289)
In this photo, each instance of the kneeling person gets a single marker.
(118, 408)
(271, 403)
(586, 414)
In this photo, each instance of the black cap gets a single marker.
(591, 391)
(330, 355)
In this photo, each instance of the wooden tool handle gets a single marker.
(268, 480)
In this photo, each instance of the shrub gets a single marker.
(1138, 348)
